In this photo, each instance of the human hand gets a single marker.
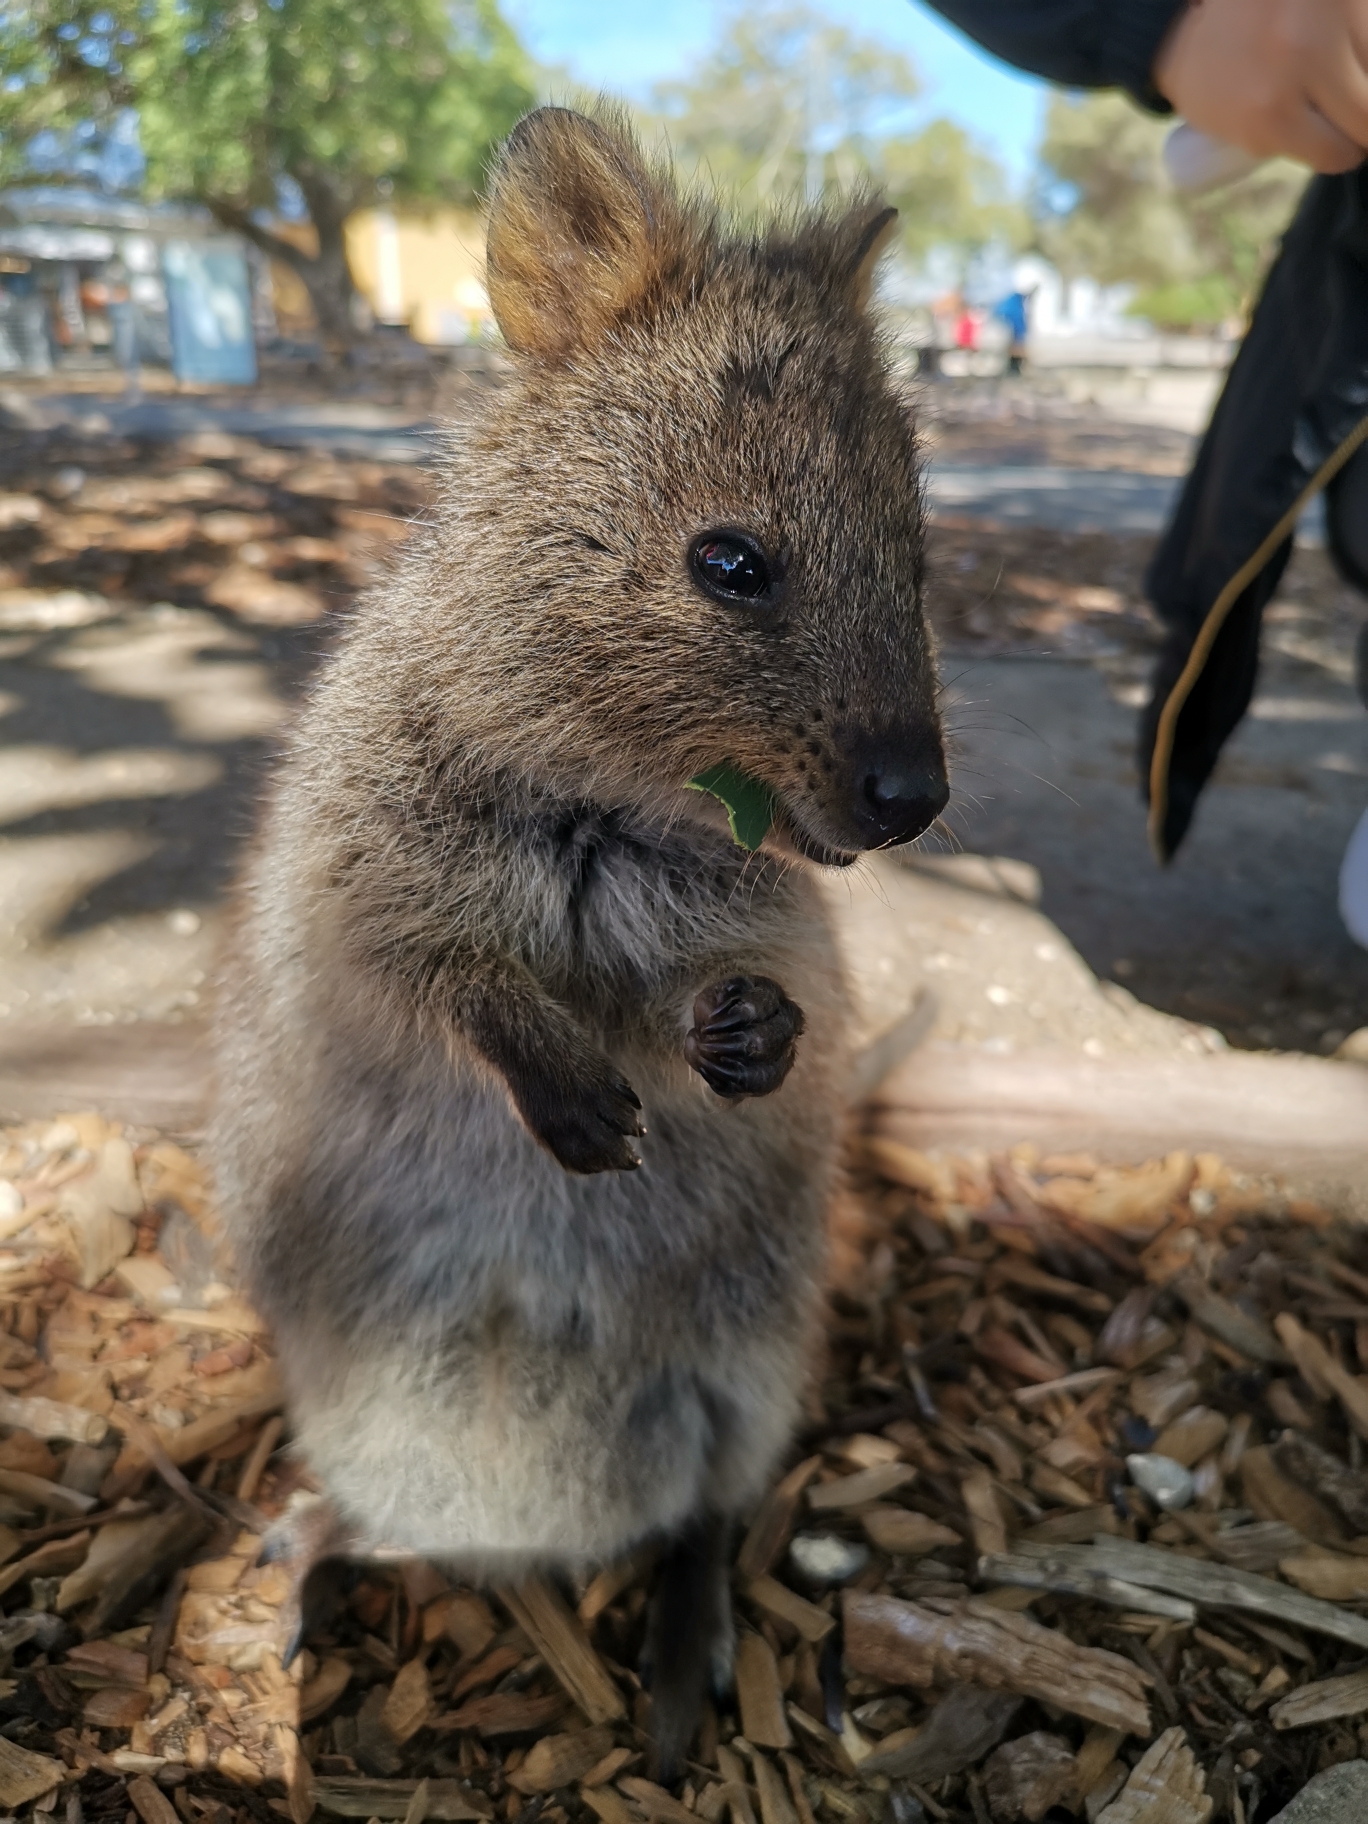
(1275, 77)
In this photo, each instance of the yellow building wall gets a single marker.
(426, 271)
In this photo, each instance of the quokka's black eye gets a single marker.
(733, 567)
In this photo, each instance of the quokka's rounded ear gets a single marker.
(862, 237)
(575, 228)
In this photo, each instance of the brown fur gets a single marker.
(486, 922)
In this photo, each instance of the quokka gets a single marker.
(530, 1074)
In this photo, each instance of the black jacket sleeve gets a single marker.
(1083, 44)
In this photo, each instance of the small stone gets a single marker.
(1354, 1049)
(1166, 1483)
(827, 1558)
(1337, 1796)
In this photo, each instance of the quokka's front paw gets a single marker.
(588, 1125)
(744, 1037)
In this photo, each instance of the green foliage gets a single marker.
(356, 100)
(1196, 259)
(950, 192)
(788, 102)
(408, 94)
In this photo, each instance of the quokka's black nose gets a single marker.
(899, 795)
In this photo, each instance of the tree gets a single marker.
(1105, 208)
(351, 101)
(789, 103)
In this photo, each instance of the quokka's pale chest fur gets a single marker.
(492, 951)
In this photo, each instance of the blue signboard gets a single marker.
(208, 295)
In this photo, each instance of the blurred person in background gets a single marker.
(1270, 78)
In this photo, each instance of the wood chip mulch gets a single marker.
(1077, 1528)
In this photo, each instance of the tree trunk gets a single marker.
(326, 276)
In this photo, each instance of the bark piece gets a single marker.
(409, 1704)
(660, 1806)
(96, 1210)
(1329, 1575)
(1192, 1436)
(1320, 1369)
(775, 1804)
(25, 1775)
(50, 1559)
(921, 1643)
(123, 1554)
(1322, 1702)
(52, 1419)
(768, 1593)
(1260, 1547)
(1345, 1490)
(1165, 1787)
(448, 1800)
(864, 1486)
(774, 1521)
(38, 1491)
(324, 1688)
(609, 1805)
(760, 1695)
(1045, 1568)
(560, 1760)
(1214, 1586)
(150, 1802)
(1273, 1496)
(1227, 1321)
(558, 1635)
(967, 1722)
(1024, 1778)
(903, 1532)
(505, 1713)
(985, 1516)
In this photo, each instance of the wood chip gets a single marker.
(504, 1713)
(1035, 1567)
(324, 1688)
(964, 1725)
(24, 1775)
(985, 1515)
(409, 1704)
(903, 1531)
(561, 1760)
(448, 1800)
(775, 1805)
(1165, 1787)
(151, 1803)
(660, 1806)
(864, 1486)
(1227, 1321)
(1322, 1702)
(760, 1695)
(1024, 1778)
(558, 1635)
(920, 1643)
(812, 1623)
(1219, 1586)
(1321, 1369)
(1274, 1496)
(52, 1419)
(1329, 1575)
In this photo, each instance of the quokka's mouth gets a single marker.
(811, 848)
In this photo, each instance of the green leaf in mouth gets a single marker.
(749, 803)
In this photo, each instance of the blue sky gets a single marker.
(626, 47)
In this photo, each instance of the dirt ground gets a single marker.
(162, 603)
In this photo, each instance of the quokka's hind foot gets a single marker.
(690, 1640)
(305, 1536)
